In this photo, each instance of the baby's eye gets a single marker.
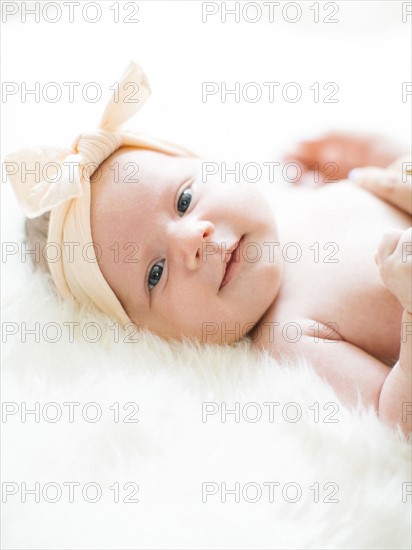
(184, 200)
(155, 275)
(157, 270)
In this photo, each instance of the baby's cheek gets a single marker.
(191, 316)
(187, 312)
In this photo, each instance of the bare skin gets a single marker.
(334, 154)
(394, 253)
(181, 253)
(339, 316)
(354, 352)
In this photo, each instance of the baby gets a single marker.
(291, 269)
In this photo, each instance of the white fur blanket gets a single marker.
(262, 477)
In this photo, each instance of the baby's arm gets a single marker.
(356, 377)
(394, 259)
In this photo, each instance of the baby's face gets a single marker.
(165, 240)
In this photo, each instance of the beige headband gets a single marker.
(74, 267)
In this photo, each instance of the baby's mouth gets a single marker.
(232, 262)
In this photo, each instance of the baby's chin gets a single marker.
(212, 329)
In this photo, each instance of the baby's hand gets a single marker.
(394, 260)
(392, 184)
(331, 157)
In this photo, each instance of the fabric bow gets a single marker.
(58, 180)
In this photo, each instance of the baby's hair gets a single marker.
(37, 230)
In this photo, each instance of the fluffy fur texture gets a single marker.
(170, 452)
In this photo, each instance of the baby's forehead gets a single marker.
(131, 174)
(123, 165)
(131, 165)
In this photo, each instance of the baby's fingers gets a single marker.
(373, 177)
(404, 246)
(394, 259)
(387, 246)
(389, 185)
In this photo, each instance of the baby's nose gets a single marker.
(193, 242)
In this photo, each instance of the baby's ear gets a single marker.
(37, 231)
